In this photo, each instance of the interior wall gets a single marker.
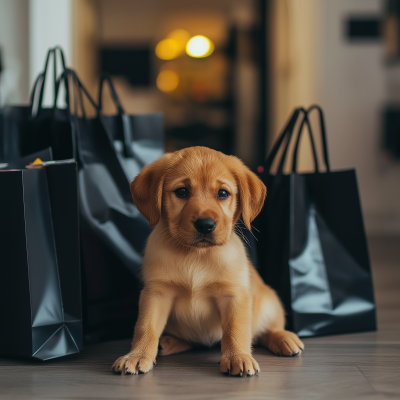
(28, 28)
(50, 24)
(295, 65)
(160, 17)
(14, 46)
(85, 36)
(314, 63)
(353, 92)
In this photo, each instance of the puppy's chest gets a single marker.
(194, 303)
(195, 318)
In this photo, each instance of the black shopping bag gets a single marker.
(28, 129)
(40, 298)
(138, 139)
(312, 244)
(113, 231)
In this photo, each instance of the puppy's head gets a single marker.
(200, 194)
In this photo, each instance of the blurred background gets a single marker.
(227, 73)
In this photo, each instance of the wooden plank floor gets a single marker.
(357, 366)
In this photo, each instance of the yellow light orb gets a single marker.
(167, 80)
(168, 49)
(181, 36)
(199, 46)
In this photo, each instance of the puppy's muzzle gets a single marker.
(205, 225)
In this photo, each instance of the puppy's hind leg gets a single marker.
(273, 336)
(171, 345)
(282, 343)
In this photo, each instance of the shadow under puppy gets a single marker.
(199, 285)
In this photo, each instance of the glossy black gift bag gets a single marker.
(40, 297)
(110, 151)
(27, 129)
(312, 246)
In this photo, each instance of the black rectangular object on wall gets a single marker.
(134, 63)
(364, 28)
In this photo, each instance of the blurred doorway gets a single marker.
(157, 53)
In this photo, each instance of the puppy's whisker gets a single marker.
(244, 237)
(245, 240)
(240, 233)
(254, 228)
(240, 229)
(241, 222)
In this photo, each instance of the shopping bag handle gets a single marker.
(33, 94)
(286, 133)
(107, 78)
(126, 123)
(78, 87)
(80, 90)
(78, 104)
(64, 78)
(323, 137)
(78, 135)
(290, 134)
(52, 52)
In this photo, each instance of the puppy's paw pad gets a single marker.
(133, 364)
(285, 343)
(239, 364)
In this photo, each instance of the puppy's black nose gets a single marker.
(204, 225)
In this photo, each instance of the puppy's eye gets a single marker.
(223, 194)
(182, 192)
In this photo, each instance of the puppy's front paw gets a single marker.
(133, 364)
(239, 364)
(285, 343)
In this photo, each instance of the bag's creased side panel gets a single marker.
(46, 304)
(15, 310)
(119, 223)
(331, 280)
(59, 344)
(344, 244)
(62, 184)
(310, 292)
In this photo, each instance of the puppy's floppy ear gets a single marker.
(147, 188)
(251, 191)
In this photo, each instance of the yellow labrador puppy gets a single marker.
(199, 285)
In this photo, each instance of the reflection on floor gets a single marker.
(338, 367)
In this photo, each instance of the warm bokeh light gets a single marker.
(199, 46)
(181, 36)
(167, 80)
(168, 49)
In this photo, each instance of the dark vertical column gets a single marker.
(262, 133)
